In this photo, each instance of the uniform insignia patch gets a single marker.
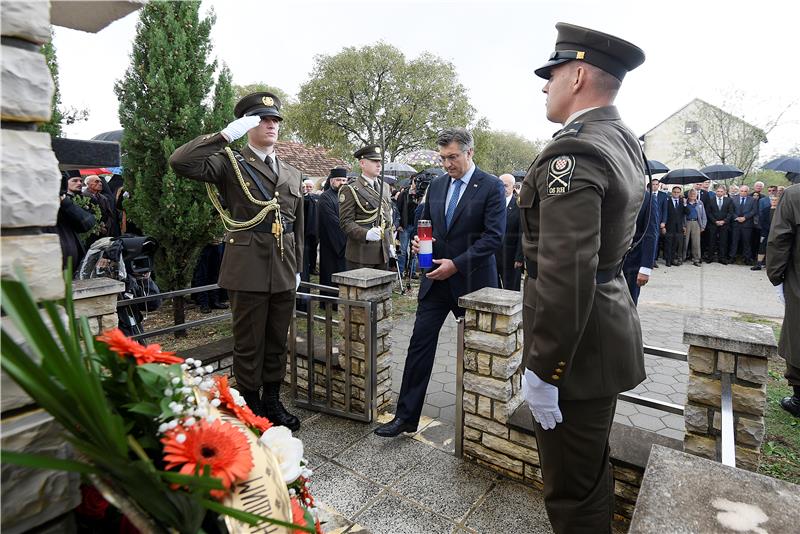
(560, 174)
(341, 197)
(267, 101)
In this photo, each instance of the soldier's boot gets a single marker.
(792, 404)
(274, 409)
(253, 401)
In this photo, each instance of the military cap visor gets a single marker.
(372, 152)
(575, 43)
(261, 104)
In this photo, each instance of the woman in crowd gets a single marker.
(695, 223)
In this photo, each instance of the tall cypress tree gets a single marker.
(162, 104)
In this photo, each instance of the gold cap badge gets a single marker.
(267, 101)
(378, 149)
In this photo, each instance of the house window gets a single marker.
(690, 127)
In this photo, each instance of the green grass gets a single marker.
(781, 448)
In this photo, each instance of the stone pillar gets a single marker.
(492, 378)
(373, 286)
(718, 345)
(96, 299)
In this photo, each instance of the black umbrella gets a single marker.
(784, 164)
(683, 177)
(113, 135)
(656, 167)
(721, 172)
(793, 177)
(518, 175)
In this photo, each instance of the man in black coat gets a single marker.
(673, 227)
(71, 221)
(744, 211)
(638, 264)
(509, 257)
(310, 200)
(720, 213)
(332, 241)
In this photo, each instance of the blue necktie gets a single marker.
(451, 206)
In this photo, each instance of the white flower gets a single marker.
(163, 427)
(287, 450)
(168, 392)
(215, 403)
(176, 381)
(180, 438)
(209, 369)
(190, 360)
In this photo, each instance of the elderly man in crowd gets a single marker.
(509, 256)
(744, 211)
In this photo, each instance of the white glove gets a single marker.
(374, 234)
(779, 292)
(542, 399)
(296, 281)
(239, 127)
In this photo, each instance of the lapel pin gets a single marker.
(475, 185)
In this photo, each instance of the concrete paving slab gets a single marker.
(329, 435)
(391, 514)
(510, 507)
(343, 490)
(445, 484)
(383, 460)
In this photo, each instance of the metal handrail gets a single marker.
(728, 445)
(460, 388)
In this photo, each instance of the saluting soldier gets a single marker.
(263, 243)
(583, 341)
(368, 228)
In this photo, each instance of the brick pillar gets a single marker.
(374, 286)
(718, 345)
(492, 377)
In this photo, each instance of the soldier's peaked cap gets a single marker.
(574, 43)
(261, 104)
(372, 152)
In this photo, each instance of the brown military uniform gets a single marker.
(579, 203)
(358, 212)
(261, 282)
(783, 266)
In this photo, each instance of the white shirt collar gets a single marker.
(509, 199)
(260, 154)
(577, 114)
(370, 181)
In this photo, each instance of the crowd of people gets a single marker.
(713, 223)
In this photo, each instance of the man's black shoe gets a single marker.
(253, 401)
(756, 267)
(696, 263)
(655, 266)
(395, 427)
(274, 409)
(219, 306)
(204, 308)
(791, 405)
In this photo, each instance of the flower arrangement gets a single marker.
(171, 446)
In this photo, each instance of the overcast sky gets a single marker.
(741, 56)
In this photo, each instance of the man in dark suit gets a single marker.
(744, 210)
(509, 257)
(332, 240)
(674, 225)
(466, 211)
(263, 246)
(661, 212)
(638, 263)
(310, 200)
(720, 214)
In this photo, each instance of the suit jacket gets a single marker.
(676, 216)
(661, 206)
(511, 244)
(579, 203)
(644, 253)
(310, 201)
(252, 259)
(747, 210)
(353, 200)
(332, 241)
(474, 235)
(714, 213)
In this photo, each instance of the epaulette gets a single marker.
(571, 130)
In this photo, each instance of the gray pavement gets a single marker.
(671, 295)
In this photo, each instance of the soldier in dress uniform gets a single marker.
(263, 243)
(583, 341)
(368, 228)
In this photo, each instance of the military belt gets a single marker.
(601, 277)
(265, 227)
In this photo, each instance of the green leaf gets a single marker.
(144, 408)
(251, 519)
(39, 461)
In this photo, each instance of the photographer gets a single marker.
(72, 220)
(406, 206)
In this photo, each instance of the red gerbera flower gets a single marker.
(220, 446)
(154, 354)
(118, 341)
(124, 346)
(244, 413)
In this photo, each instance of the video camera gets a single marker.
(423, 179)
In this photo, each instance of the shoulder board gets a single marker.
(571, 130)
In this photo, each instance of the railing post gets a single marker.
(722, 351)
(365, 351)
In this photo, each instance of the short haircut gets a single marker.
(456, 135)
(679, 188)
(722, 186)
